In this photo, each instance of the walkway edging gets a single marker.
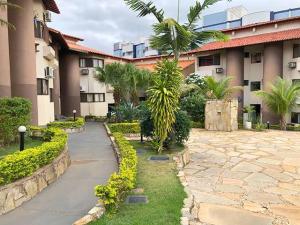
(98, 210)
(15, 194)
(74, 130)
(187, 215)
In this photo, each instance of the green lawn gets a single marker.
(29, 143)
(163, 188)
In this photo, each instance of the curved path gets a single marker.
(72, 196)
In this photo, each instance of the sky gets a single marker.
(103, 22)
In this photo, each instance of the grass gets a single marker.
(29, 143)
(163, 188)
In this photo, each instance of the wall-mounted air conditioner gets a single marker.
(84, 71)
(292, 65)
(49, 72)
(219, 70)
(47, 16)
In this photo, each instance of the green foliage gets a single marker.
(14, 112)
(95, 118)
(249, 110)
(126, 112)
(119, 183)
(68, 124)
(194, 105)
(22, 164)
(260, 126)
(146, 123)
(169, 34)
(125, 128)
(220, 89)
(281, 98)
(197, 124)
(163, 98)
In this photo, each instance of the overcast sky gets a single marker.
(103, 22)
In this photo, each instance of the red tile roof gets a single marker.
(151, 66)
(251, 40)
(51, 6)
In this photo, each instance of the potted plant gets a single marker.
(249, 110)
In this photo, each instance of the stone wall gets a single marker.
(15, 194)
(74, 130)
(221, 115)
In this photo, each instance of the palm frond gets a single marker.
(145, 9)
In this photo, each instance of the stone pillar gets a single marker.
(56, 86)
(69, 83)
(22, 54)
(5, 88)
(273, 68)
(235, 69)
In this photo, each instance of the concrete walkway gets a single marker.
(72, 196)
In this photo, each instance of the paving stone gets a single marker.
(279, 191)
(289, 186)
(292, 213)
(257, 178)
(263, 198)
(232, 181)
(229, 188)
(292, 161)
(278, 176)
(247, 167)
(293, 199)
(224, 215)
(203, 197)
(253, 207)
(269, 161)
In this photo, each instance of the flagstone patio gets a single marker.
(245, 177)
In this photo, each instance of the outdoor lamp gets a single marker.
(74, 114)
(268, 125)
(22, 130)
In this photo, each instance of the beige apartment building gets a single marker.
(255, 56)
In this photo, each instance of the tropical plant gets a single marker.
(220, 89)
(4, 4)
(194, 105)
(163, 98)
(281, 98)
(249, 110)
(126, 112)
(169, 35)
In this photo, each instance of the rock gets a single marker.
(263, 198)
(293, 199)
(96, 212)
(292, 213)
(259, 178)
(9, 202)
(247, 167)
(50, 175)
(229, 188)
(42, 184)
(202, 197)
(84, 220)
(31, 188)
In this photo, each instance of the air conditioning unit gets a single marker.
(47, 16)
(219, 70)
(49, 72)
(292, 65)
(85, 71)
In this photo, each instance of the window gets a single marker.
(255, 86)
(51, 94)
(296, 81)
(92, 97)
(38, 28)
(246, 82)
(209, 60)
(256, 58)
(295, 117)
(42, 86)
(296, 51)
(90, 62)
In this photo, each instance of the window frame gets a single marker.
(85, 99)
(83, 63)
(254, 57)
(255, 83)
(211, 60)
(294, 52)
(40, 88)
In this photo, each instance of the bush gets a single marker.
(197, 124)
(194, 105)
(68, 123)
(95, 118)
(22, 164)
(119, 183)
(125, 128)
(14, 112)
(126, 112)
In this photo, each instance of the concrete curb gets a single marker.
(74, 130)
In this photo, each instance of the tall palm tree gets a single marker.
(4, 4)
(220, 89)
(169, 35)
(281, 98)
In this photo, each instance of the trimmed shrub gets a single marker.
(120, 183)
(22, 164)
(68, 123)
(14, 112)
(125, 128)
(194, 105)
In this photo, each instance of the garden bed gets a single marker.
(69, 125)
(157, 181)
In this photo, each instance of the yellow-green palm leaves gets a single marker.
(281, 98)
(163, 98)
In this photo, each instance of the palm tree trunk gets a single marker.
(117, 97)
(134, 98)
(282, 122)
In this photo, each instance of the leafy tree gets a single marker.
(4, 4)
(169, 35)
(163, 98)
(194, 105)
(281, 98)
(220, 89)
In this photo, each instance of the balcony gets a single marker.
(48, 53)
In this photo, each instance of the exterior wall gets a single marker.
(69, 83)
(5, 88)
(252, 72)
(56, 87)
(95, 108)
(22, 54)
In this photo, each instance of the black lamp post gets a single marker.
(74, 114)
(22, 130)
(268, 125)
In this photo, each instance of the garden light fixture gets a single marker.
(22, 130)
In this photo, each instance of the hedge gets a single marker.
(125, 128)
(22, 164)
(119, 183)
(69, 123)
(288, 127)
(14, 112)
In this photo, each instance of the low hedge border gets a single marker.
(125, 128)
(23, 164)
(68, 124)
